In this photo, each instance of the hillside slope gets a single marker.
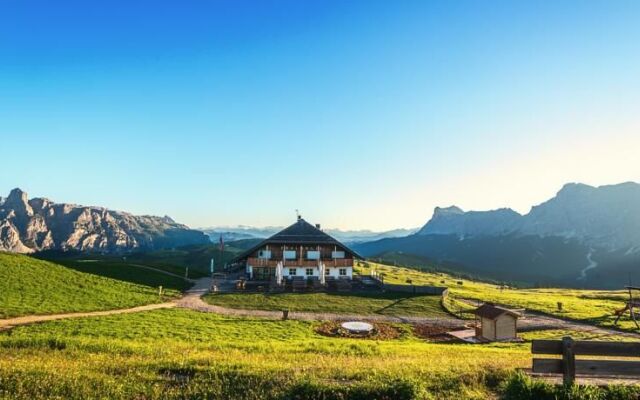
(32, 286)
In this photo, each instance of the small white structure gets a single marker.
(358, 328)
(496, 323)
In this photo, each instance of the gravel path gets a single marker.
(6, 324)
(534, 320)
(192, 299)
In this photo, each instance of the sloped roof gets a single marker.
(491, 311)
(301, 232)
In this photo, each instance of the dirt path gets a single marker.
(161, 271)
(6, 324)
(539, 321)
(192, 299)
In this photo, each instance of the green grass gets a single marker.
(181, 354)
(148, 355)
(594, 306)
(399, 304)
(32, 286)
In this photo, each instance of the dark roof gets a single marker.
(301, 232)
(491, 311)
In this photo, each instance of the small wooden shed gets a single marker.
(496, 323)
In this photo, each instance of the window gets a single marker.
(313, 255)
(326, 271)
(309, 271)
(337, 254)
(292, 271)
(289, 254)
(342, 272)
(265, 254)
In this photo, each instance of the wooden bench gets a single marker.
(569, 367)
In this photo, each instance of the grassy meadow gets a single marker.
(31, 286)
(399, 304)
(179, 354)
(182, 354)
(594, 306)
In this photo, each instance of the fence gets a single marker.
(568, 366)
(415, 289)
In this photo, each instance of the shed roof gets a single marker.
(300, 232)
(492, 311)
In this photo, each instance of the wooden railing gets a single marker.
(568, 366)
(330, 263)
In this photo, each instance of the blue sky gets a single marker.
(362, 114)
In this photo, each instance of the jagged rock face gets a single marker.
(606, 216)
(38, 224)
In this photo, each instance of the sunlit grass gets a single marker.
(388, 303)
(125, 356)
(595, 306)
(32, 286)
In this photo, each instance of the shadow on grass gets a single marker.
(128, 273)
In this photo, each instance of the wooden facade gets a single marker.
(496, 323)
(303, 250)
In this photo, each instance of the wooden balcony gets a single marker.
(329, 263)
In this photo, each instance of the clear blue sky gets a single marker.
(362, 114)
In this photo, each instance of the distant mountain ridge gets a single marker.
(605, 216)
(584, 236)
(241, 232)
(28, 226)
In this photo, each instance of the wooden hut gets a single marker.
(496, 323)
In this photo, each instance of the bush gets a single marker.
(521, 387)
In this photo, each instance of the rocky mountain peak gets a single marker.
(605, 216)
(39, 224)
(444, 211)
(18, 201)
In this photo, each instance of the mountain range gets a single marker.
(584, 236)
(349, 237)
(38, 224)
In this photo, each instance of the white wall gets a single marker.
(505, 327)
(300, 271)
(335, 272)
(488, 330)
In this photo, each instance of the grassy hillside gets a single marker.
(180, 354)
(595, 306)
(343, 303)
(197, 258)
(540, 261)
(32, 286)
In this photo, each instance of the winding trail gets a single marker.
(192, 299)
(6, 324)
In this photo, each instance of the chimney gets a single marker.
(318, 226)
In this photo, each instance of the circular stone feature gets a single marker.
(359, 328)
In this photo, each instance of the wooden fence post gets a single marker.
(568, 361)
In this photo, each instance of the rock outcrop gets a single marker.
(28, 226)
(605, 216)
